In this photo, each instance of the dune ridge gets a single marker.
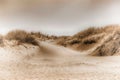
(91, 38)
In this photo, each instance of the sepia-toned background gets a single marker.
(57, 17)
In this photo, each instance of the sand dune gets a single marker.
(38, 57)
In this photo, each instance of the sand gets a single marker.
(55, 63)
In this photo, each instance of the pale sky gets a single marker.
(57, 17)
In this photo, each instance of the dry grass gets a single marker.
(93, 36)
(43, 37)
(83, 40)
(88, 32)
(110, 47)
(99, 38)
(88, 38)
(62, 40)
(21, 36)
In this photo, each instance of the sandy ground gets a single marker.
(56, 63)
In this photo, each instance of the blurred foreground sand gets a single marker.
(64, 64)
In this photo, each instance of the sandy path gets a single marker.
(64, 64)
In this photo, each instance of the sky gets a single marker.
(57, 17)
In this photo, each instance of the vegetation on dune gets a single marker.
(25, 37)
(88, 32)
(83, 39)
(39, 35)
(43, 37)
(21, 36)
(62, 40)
(98, 38)
(88, 38)
(111, 46)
